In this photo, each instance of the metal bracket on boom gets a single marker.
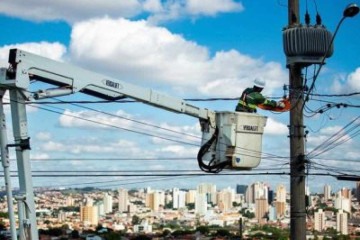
(52, 92)
(24, 144)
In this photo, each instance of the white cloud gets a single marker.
(179, 151)
(172, 10)
(329, 138)
(354, 80)
(43, 136)
(74, 11)
(347, 84)
(55, 51)
(52, 146)
(42, 156)
(68, 10)
(125, 147)
(185, 134)
(275, 128)
(145, 54)
(153, 6)
(212, 7)
(91, 119)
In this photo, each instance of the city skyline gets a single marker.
(257, 205)
(188, 49)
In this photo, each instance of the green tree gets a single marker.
(223, 232)
(135, 220)
(235, 204)
(168, 205)
(112, 235)
(142, 237)
(55, 232)
(166, 232)
(2, 226)
(203, 230)
(75, 234)
(246, 213)
(190, 206)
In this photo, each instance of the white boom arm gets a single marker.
(73, 79)
(230, 139)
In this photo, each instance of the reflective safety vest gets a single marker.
(250, 99)
(244, 105)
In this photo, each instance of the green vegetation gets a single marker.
(269, 232)
(246, 213)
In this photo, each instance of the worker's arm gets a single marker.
(257, 98)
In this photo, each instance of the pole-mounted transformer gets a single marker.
(306, 45)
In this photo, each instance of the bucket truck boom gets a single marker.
(230, 140)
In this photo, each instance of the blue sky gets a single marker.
(189, 49)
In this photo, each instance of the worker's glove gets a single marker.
(280, 104)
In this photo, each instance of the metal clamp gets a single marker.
(24, 144)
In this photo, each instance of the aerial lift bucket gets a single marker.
(239, 140)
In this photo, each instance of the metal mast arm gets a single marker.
(70, 79)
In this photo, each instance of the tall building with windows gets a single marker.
(271, 196)
(280, 203)
(342, 202)
(280, 209)
(108, 203)
(342, 222)
(319, 220)
(357, 191)
(346, 193)
(155, 199)
(281, 193)
(209, 190)
(100, 207)
(256, 191)
(241, 189)
(190, 196)
(70, 201)
(201, 204)
(225, 199)
(261, 209)
(178, 198)
(327, 192)
(89, 214)
(123, 199)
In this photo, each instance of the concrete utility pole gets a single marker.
(296, 128)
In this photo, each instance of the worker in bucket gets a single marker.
(252, 97)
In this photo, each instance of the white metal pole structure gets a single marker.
(27, 216)
(6, 165)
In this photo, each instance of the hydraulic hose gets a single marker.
(210, 168)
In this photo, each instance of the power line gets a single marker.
(148, 134)
(117, 127)
(337, 138)
(177, 175)
(151, 175)
(132, 120)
